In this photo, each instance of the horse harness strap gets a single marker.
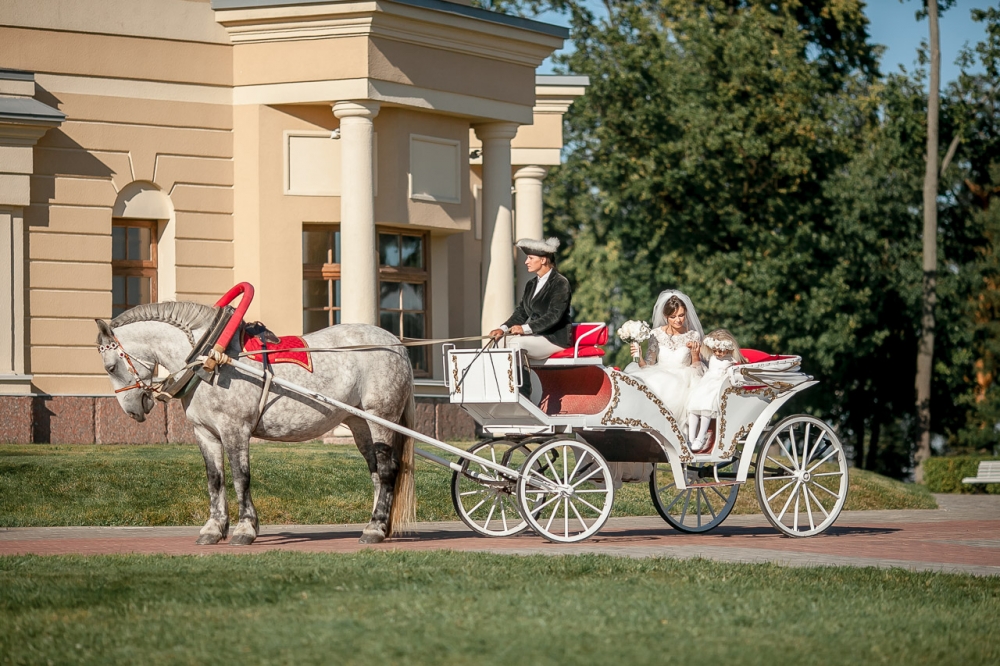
(137, 384)
(259, 331)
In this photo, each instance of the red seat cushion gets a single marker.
(585, 350)
(755, 356)
(585, 331)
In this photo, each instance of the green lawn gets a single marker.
(299, 483)
(473, 608)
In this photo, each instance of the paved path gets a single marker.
(963, 536)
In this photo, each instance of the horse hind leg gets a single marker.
(216, 528)
(383, 466)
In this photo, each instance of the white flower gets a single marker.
(715, 343)
(634, 331)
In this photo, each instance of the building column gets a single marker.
(528, 208)
(359, 249)
(23, 121)
(498, 234)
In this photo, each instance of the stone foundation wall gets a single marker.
(55, 419)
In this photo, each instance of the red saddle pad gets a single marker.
(287, 342)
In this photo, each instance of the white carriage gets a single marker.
(556, 451)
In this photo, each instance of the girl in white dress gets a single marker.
(703, 403)
(673, 359)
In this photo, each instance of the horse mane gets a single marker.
(185, 315)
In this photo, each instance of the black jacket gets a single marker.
(548, 313)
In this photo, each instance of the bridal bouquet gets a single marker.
(634, 331)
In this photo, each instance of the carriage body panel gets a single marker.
(616, 412)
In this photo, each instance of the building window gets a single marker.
(320, 276)
(133, 264)
(403, 292)
(403, 281)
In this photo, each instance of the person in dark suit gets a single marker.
(541, 324)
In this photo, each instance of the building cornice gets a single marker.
(420, 22)
(431, 5)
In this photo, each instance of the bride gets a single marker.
(673, 359)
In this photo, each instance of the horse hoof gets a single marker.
(242, 540)
(208, 539)
(371, 537)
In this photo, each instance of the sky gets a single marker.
(894, 25)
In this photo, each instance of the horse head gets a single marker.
(130, 376)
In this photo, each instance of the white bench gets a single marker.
(989, 472)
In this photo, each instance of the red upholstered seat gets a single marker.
(586, 337)
(755, 356)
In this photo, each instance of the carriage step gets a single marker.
(713, 484)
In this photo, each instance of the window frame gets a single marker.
(328, 272)
(146, 268)
(401, 274)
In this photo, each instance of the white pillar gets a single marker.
(358, 250)
(528, 207)
(498, 235)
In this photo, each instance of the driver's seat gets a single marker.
(585, 350)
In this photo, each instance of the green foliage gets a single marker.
(944, 474)
(477, 608)
(45, 485)
(751, 154)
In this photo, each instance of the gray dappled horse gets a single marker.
(223, 413)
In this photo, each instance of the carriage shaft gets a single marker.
(360, 413)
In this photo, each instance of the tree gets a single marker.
(925, 350)
(751, 154)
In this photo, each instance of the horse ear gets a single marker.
(104, 331)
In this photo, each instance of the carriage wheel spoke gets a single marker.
(779, 491)
(493, 508)
(503, 516)
(818, 503)
(566, 517)
(781, 446)
(790, 471)
(687, 503)
(580, 518)
(596, 471)
(794, 446)
(576, 468)
(829, 474)
(473, 509)
(821, 486)
(795, 493)
(805, 446)
(825, 458)
(809, 511)
(719, 493)
(680, 495)
(795, 516)
(708, 505)
(538, 509)
(590, 505)
(555, 510)
(552, 467)
(471, 492)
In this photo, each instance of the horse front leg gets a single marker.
(238, 447)
(379, 457)
(217, 526)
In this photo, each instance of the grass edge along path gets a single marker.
(152, 485)
(464, 608)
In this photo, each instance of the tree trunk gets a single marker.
(871, 458)
(858, 418)
(925, 351)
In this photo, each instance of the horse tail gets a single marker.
(404, 503)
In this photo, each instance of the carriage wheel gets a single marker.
(801, 476)
(695, 509)
(490, 510)
(565, 490)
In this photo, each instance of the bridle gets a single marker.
(138, 383)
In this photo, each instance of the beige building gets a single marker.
(365, 161)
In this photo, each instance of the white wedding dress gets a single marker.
(669, 372)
